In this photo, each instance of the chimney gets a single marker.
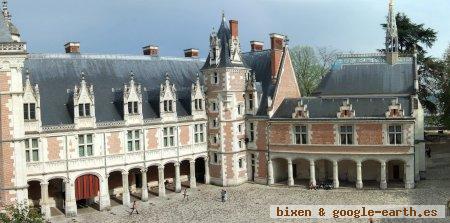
(72, 47)
(191, 53)
(256, 45)
(234, 28)
(151, 50)
(277, 45)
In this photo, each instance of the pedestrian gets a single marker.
(222, 195)
(185, 195)
(226, 195)
(134, 208)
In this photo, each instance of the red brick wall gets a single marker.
(114, 145)
(152, 140)
(280, 134)
(262, 165)
(322, 134)
(184, 135)
(214, 170)
(287, 84)
(53, 148)
(369, 134)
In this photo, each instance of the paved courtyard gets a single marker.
(250, 202)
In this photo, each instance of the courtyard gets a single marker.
(250, 202)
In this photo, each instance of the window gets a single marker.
(168, 105)
(215, 158)
(133, 140)
(346, 135)
(198, 104)
(29, 111)
(85, 145)
(240, 128)
(239, 109)
(301, 134)
(133, 107)
(251, 131)
(395, 134)
(250, 101)
(31, 150)
(241, 163)
(169, 136)
(215, 78)
(198, 133)
(213, 106)
(215, 139)
(215, 123)
(84, 110)
(240, 144)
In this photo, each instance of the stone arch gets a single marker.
(40, 180)
(347, 171)
(116, 170)
(56, 193)
(371, 172)
(280, 169)
(87, 189)
(300, 168)
(165, 162)
(99, 175)
(395, 172)
(139, 166)
(34, 192)
(200, 165)
(63, 178)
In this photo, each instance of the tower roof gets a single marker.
(5, 32)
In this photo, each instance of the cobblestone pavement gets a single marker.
(250, 202)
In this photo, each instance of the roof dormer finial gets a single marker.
(83, 76)
(131, 75)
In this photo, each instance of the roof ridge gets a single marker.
(108, 57)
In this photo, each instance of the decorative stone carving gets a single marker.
(395, 110)
(346, 110)
(301, 111)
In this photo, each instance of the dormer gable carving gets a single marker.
(346, 110)
(31, 100)
(132, 101)
(168, 98)
(301, 111)
(84, 103)
(214, 48)
(235, 50)
(395, 110)
(197, 96)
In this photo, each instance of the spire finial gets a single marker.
(5, 10)
(223, 16)
(391, 30)
(83, 76)
(131, 75)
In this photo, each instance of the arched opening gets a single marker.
(115, 188)
(34, 194)
(324, 171)
(200, 170)
(56, 196)
(371, 174)
(135, 183)
(87, 192)
(280, 170)
(152, 181)
(169, 177)
(395, 173)
(300, 169)
(184, 173)
(347, 173)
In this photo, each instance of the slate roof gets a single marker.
(327, 108)
(57, 74)
(5, 33)
(224, 34)
(368, 76)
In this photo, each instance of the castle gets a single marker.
(81, 129)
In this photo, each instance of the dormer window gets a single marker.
(29, 111)
(168, 106)
(198, 104)
(84, 110)
(133, 107)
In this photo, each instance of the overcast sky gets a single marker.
(119, 26)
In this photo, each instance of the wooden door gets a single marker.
(86, 186)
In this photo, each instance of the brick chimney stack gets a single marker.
(72, 47)
(234, 28)
(256, 45)
(191, 53)
(151, 50)
(277, 46)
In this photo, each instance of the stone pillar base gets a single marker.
(336, 183)
(359, 185)
(409, 185)
(71, 209)
(290, 182)
(105, 203)
(383, 185)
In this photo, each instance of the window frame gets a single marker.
(29, 111)
(30, 150)
(215, 78)
(84, 110)
(199, 133)
(168, 105)
(345, 140)
(251, 132)
(134, 140)
(133, 108)
(250, 101)
(300, 134)
(85, 146)
(396, 134)
(169, 136)
(198, 104)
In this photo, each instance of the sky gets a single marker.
(124, 27)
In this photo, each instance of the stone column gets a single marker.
(161, 185)
(290, 173)
(45, 206)
(126, 199)
(71, 203)
(312, 172)
(383, 182)
(207, 179)
(270, 173)
(177, 178)
(144, 189)
(335, 174)
(192, 180)
(105, 202)
(359, 183)
(409, 182)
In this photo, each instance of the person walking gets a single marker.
(185, 195)
(134, 208)
(222, 195)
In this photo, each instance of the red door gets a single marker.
(86, 186)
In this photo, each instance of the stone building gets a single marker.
(85, 129)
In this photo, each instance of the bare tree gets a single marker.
(310, 65)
